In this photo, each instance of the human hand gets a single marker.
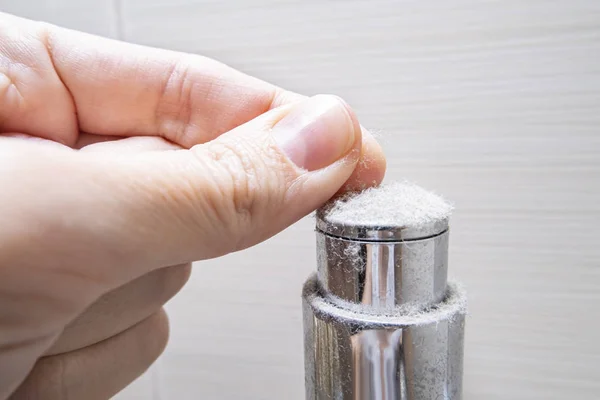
(121, 164)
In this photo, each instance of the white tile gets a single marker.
(99, 17)
(494, 104)
(146, 387)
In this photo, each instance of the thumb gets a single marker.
(164, 208)
(251, 182)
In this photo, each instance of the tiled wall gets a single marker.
(495, 104)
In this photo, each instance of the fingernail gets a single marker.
(316, 133)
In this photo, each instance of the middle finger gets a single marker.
(120, 309)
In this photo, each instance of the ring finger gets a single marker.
(101, 370)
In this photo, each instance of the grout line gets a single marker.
(156, 379)
(117, 7)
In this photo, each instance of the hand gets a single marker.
(120, 165)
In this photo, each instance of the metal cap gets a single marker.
(377, 233)
(381, 262)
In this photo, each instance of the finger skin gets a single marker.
(111, 88)
(124, 146)
(98, 371)
(159, 208)
(122, 308)
(233, 192)
(371, 166)
(118, 88)
(28, 80)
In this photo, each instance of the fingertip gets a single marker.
(318, 132)
(371, 167)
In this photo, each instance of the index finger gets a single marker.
(107, 87)
(62, 82)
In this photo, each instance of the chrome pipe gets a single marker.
(381, 321)
(384, 274)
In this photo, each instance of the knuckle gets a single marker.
(239, 179)
(175, 102)
(245, 183)
(183, 90)
(11, 99)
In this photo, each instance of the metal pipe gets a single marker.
(381, 322)
(384, 273)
